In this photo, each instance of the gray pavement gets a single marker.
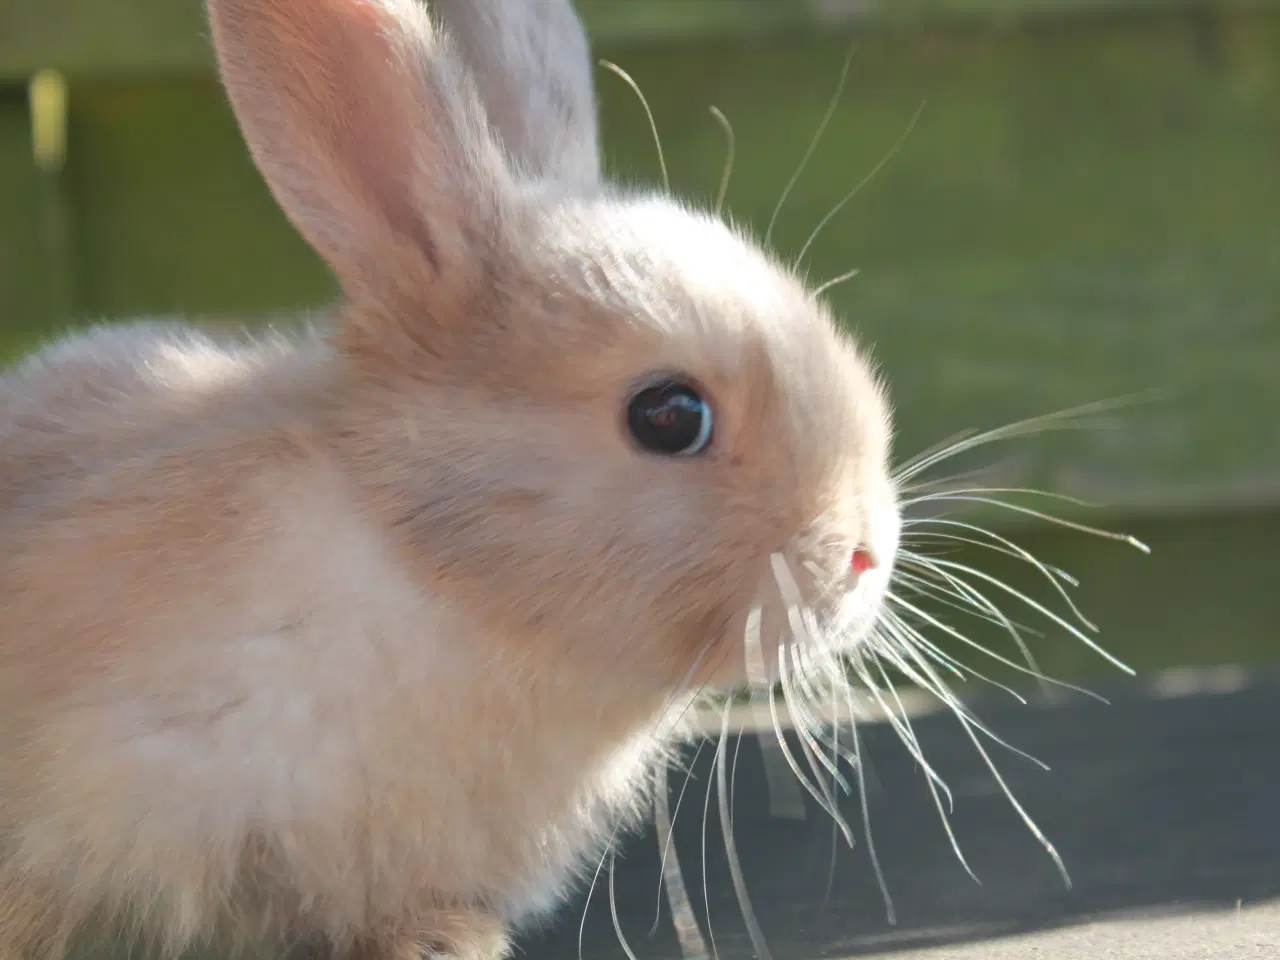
(1163, 805)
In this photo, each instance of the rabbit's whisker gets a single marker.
(613, 907)
(858, 187)
(723, 192)
(653, 124)
(758, 942)
(706, 812)
(835, 282)
(925, 586)
(1054, 575)
(900, 720)
(813, 757)
(1065, 419)
(591, 889)
(670, 874)
(837, 754)
(813, 144)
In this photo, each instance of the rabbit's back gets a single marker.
(113, 391)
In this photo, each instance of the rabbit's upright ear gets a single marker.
(368, 132)
(532, 62)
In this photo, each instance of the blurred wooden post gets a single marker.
(29, 293)
(47, 106)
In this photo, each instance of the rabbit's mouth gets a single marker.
(807, 609)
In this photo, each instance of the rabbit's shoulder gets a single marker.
(93, 398)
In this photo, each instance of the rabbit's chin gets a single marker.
(769, 639)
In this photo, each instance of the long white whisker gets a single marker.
(816, 739)
(653, 125)
(839, 683)
(1034, 671)
(943, 592)
(1042, 609)
(912, 465)
(812, 790)
(813, 145)
(706, 888)
(1061, 419)
(728, 163)
(921, 579)
(956, 634)
(834, 282)
(907, 637)
(784, 798)
(802, 723)
(929, 585)
(969, 724)
(834, 707)
(980, 605)
(802, 628)
(595, 877)
(914, 537)
(789, 590)
(670, 874)
(932, 781)
(988, 610)
(1013, 801)
(613, 910)
(1013, 549)
(900, 722)
(949, 492)
(735, 867)
(858, 187)
(829, 669)
(863, 801)
(1059, 521)
(917, 668)
(810, 664)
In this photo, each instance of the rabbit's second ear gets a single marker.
(368, 134)
(532, 63)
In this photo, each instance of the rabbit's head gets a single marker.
(609, 425)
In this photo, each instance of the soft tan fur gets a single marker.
(362, 642)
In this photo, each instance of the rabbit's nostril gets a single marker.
(863, 560)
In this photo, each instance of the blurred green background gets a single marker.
(1088, 208)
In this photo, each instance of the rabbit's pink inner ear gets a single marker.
(344, 107)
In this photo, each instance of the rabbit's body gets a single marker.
(244, 686)
(368, 640)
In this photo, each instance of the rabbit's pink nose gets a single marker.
(863, 560)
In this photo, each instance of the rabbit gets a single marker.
(361, 641)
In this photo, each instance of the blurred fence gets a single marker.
(1088, 207)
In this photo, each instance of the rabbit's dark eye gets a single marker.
(670, 418)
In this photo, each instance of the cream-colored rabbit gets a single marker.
(364, 642)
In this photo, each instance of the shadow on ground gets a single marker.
(1157, 803)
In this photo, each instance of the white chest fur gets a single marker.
(373, 738)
